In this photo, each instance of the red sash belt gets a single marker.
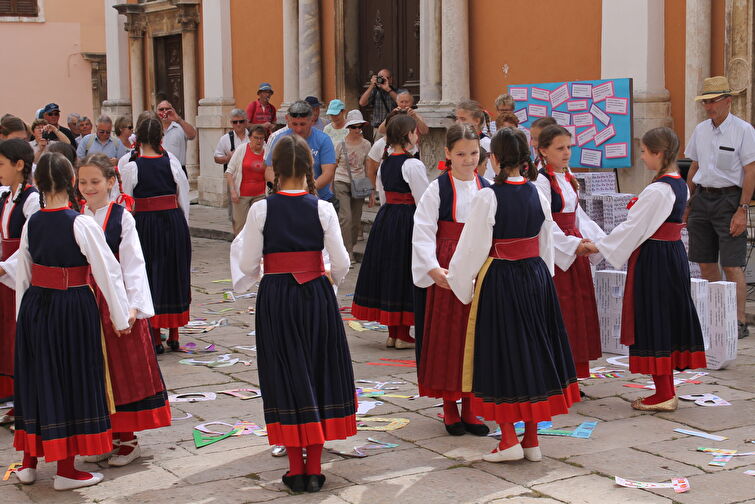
(397, 198)
(304, 266)
(565, 220)
(515, 249)
(669, 231)
(10, 245)
(156, 203)
(449, 230)
(59, 278)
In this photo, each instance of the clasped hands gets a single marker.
(586, 247)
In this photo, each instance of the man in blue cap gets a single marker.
(316, 104)
(261, 111)
(51, 114)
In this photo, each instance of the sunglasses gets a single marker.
(163, 109)
(103, 132)
(53, 113)
(130, 127)
(299, 115)
(354, 127)
(238, 121)
(708, 101)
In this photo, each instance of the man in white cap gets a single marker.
(721, 181)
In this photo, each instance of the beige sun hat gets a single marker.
(713, 87)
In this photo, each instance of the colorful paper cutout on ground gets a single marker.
(721, 456)
(394, 362)
(583, 430)
(201, 439)
(242, 393)
(705, 399)
(11, 469)
(680, 485)
(201, 326)
(705, 435)
(191, 348)
(192, 397)
(389, 424)
(188, 415)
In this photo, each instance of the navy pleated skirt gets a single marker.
(60, 395)
(167, 253)
(384, 289)
(523, 367)
(667, 329)
(304, 362)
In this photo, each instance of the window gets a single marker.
(20, 8)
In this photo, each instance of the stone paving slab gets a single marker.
(529, 474)
(593, 489)
(725, 486)
(631, 464)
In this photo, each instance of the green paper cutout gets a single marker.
(201, 439)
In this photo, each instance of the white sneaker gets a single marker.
(509, 454)
(63, 483)
(104, 456)
(122, 460)
(533, 454)
(27, 476)
(278, 451)
(6, 419)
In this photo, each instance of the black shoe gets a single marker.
(315, 482)
(744, 331)
(456, 429)
(476, 429)
(174, 345)
(159, 349)
(582, 393)
(295, 483)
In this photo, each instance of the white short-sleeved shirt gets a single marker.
(721, 152)
(224, 144)
(174, 141)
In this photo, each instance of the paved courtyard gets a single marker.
(427, 466)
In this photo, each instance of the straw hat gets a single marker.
(713, 87)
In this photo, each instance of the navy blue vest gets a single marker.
(680, 191)
(292, 224)
(17, 217)
(390, 174)
(448, 195)
(51, 239)
(557, 200)
(155, 177)
(519, 213)
(113, 227)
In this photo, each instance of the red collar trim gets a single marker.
(152, 157)
(399, 154)
(55, 209)
(520, 182)
(300, 193)
(671, 175)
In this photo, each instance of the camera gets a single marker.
(380, 79)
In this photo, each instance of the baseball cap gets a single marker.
(313, 101)
(50, 107)
(335, 107)
(265, 86)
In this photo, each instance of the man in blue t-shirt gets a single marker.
(299, 119)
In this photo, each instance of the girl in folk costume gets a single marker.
(538, 125)
(160, 190)
(517, 360)
(138, 390)
(573, 279)
(471, 112)
(16, 206)
(438, 222)
(658, 320)
(63, 403)
(304, 363)
(384, 289)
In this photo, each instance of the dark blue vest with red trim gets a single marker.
(390, 174)
(680, 191)
(557, 199)
(519, 213)
(447, 193)
(17, 218)
(155, 178)
(114, 227)
(292, 224)
(51, 239)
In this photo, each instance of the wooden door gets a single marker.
(169, 82)
(389, 38)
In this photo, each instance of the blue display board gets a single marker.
(597, 113)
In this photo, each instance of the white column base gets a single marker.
(212, 123)
(117, 108)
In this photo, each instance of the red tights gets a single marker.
(664, 389)
(509, 439)
(296, 460)
(400, 332)
(451, 413)
(65, 467)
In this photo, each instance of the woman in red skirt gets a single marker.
(438, 222)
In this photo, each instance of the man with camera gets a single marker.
(51, 114)
(381, 95)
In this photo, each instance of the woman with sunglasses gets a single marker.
(351, 155)
(123, 129)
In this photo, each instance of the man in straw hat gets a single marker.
(721, 181)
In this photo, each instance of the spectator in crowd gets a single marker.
(721, 180)
(102, 142)
(39, 142)
(73, 123)
(13, 127)
(300, 121)
(176, 132)
(246, 175)
(405, 103)
(63, 148)
(51, 114)
(85, 127)
(380, 95)
(503, 104)
(506, 120)
(336, 129)
(123, 129)
(261, 111)
(351, 155)
(234, 138)
(316, 104)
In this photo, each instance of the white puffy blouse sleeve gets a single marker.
(133, 269)
(565, 247)
(424, 236)
(23, 266)
(474, 245)
(129, 176)
(545, 237)
(337, 253)
(31, 206)
(182, 186)
(105, 268)
(246, 249)
(652, 208)
(414, 172)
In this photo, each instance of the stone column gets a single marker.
(740, 49)
(215, 107)
(136, 26)
(189, 20)
(429, 51)
(310, 68)
(642, 22)
(290, 56)
(118, 101)
(455, 54)
(697, 61)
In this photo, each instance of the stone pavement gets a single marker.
(428, 466)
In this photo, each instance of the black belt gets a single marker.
(720, 190)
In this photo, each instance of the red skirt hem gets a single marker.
(311, 433)
(384, 317)
(446, 395)
(667, 365)
(58, 449)
(526, 411)
(170, 320)
(133, 421)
